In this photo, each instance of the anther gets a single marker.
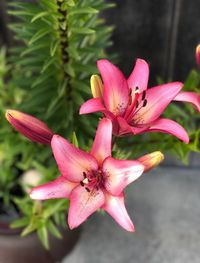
(130, 100)
(87, 189)
(81, 182)
(144, 103)
(137, 104)
(137, 90)
(84, 174)
(143, 95)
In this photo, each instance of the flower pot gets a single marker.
(16, 249)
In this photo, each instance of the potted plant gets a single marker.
(45, 72)
(61, 42)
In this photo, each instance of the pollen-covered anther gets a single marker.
(136, 91)
(85, 181)
(144, 103)
(143, 95)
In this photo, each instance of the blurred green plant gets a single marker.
(57, 44)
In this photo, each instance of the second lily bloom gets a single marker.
(132, 107)
(90, 180)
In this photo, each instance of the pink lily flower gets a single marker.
(91, 180)
(29, 126)
(132, 107)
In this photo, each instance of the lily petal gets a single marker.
(29, 126)
(72, 162)
(120, 173)
(59, 188)
(114, 206)
(102, 143)
(92, 105)
(125, 129)
(171, 127)
(139, 76)
(116, 90)
(190, 97)
(83, 204)
(157, 99)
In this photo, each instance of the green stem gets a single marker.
(64, 45)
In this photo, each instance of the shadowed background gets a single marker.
(164, 32)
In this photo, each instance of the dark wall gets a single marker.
(164, 32)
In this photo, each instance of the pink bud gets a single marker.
(29, 126)
(198, 55)
(151, 160)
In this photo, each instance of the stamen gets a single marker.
(137, 90)
(130, 100)
(144, 103)
(87, 189)
(85, 181)
(81, 182)
(143, 95)
(137, 104)
(84, 174)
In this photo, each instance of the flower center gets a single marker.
(137, 101)
(92, 180)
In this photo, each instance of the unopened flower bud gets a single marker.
(96, 86)
(198, 55)
(29, 126)
(151, 160)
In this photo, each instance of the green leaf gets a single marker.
(20, 222)
(53, 47)
(43, 236)
(74, 140)
(82, 30)
(53, 229)
(41, 33)
(83, 10)
(47, 64)
(51, 210)
(67, 3)
(40, 15)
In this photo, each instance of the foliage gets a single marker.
(57, 44)
(47, 75)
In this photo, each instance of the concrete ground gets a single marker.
(165, 207)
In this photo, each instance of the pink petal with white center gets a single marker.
(71, 161)
(139, 76)
(157, 99)
(59, 188)
(92, 105)
(83, 204)
(171, 127)
(114, 206)
(190, 97)
(116, 90)
(101, 147)
(120, 173)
